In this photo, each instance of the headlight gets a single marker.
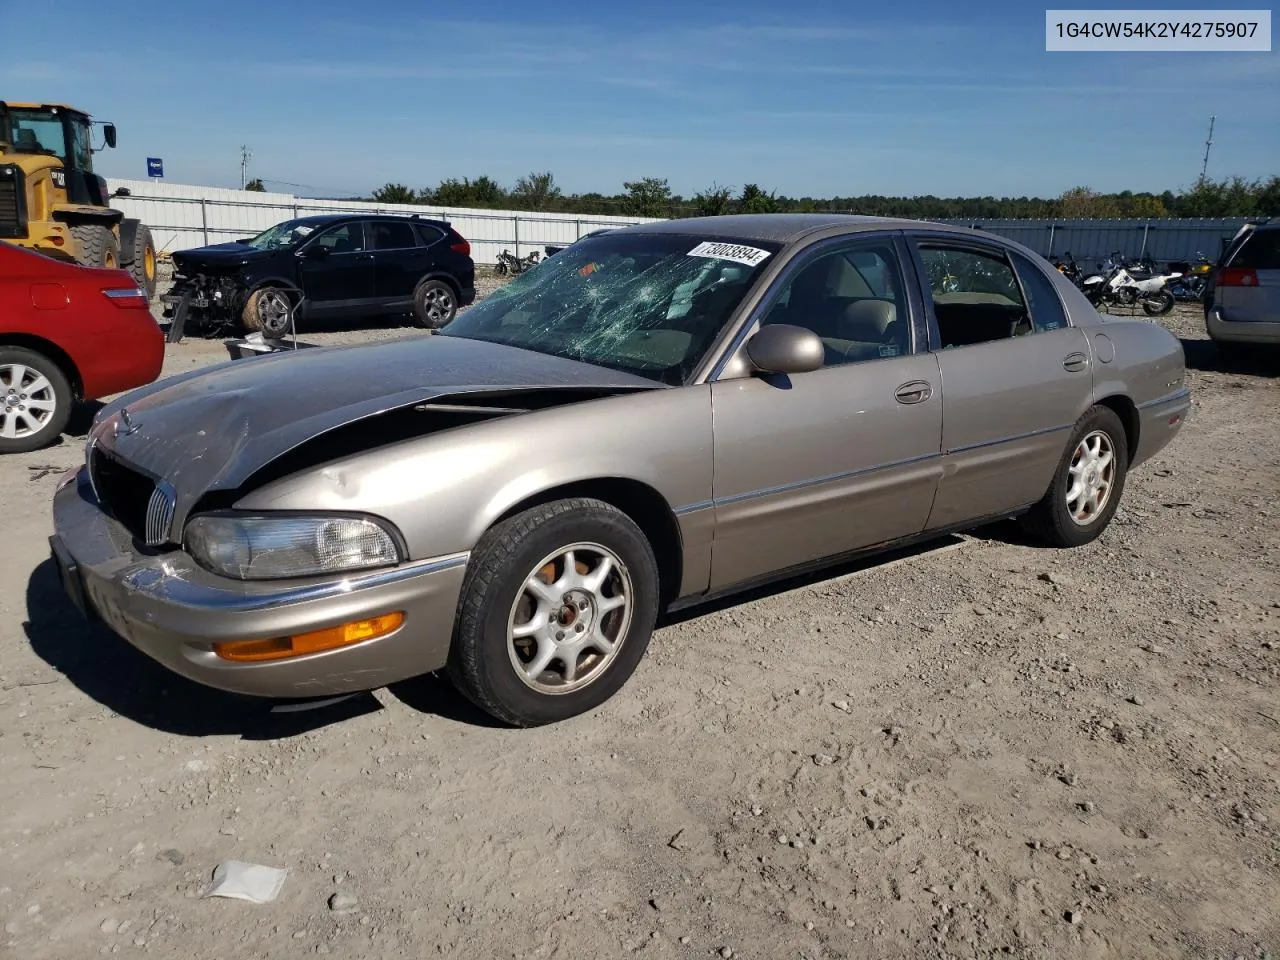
(250, 547)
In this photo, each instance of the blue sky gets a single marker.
(808, 98)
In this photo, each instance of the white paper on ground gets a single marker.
(245, 881)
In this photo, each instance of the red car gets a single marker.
(67, 333)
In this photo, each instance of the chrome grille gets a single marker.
(159, 515)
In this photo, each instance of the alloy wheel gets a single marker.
(1091, 476)
(570, 618)
(27, 401)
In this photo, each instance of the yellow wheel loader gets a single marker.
(52, 202)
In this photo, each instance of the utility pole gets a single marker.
(1204, 167)
(244, 165)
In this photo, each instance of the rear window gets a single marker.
(1260, 251)
(1046, 308)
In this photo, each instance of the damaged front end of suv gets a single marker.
(202, 301)
(213, 285)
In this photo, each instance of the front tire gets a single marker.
(1087, 486)
(557, 609)
(269, 311)
(434, 304)
(99, 246)
(1158, 304)
(35, 400)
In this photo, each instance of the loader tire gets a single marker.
(98, 245)
(143, 266)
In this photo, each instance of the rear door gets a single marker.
(399, 259)
(1015, 374)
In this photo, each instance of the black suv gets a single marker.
(338, 265)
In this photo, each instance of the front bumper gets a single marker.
(174, 611)
(1241, 331)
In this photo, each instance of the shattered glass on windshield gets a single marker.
(285, 234)
(647, 304)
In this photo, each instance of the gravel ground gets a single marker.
(984, 748)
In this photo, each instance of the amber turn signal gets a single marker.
(281, 648)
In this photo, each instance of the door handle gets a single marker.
(917, 391)
(1075, 362)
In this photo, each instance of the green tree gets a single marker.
(713, 201)
(754, 200)
(395, 193)
(537, 191)
(1143, 205)
(647, 197)
(483, 191)
(255, 186)
(1268, 199)
(1084, 202)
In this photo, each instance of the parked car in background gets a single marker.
(336, 265)
(516, 498)
(67, 333)
(1242, 298)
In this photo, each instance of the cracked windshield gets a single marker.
(647, 304)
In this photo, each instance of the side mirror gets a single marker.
(315, 252)
(109, 134)
(783, 348)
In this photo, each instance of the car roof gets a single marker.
(784, 227)
(326, 218)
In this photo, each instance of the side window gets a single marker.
(851, 298)
(976, 297)
(389, 235)
(429, 234)
(344, 238)
(1047, 312)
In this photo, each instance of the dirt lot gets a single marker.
(983, 749)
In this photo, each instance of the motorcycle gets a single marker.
(1069, 268)
(1195, 276)
(509, 263)
(1116, 285)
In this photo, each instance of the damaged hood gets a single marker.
(214, 428)
(220, 255)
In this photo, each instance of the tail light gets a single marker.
(458, 243)
(1238, 277)
(126, 297)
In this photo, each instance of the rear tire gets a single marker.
(434, 304)
(519, 618)
(1158, 304)
(267, 311)
(1073, 512)
(35, 400)
(143, 266)
(99, 246)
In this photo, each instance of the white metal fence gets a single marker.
(183, 215)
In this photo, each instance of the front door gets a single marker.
(342, 278)
(823, 463)
(1017, 377)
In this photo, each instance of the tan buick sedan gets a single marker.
(653, 416)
